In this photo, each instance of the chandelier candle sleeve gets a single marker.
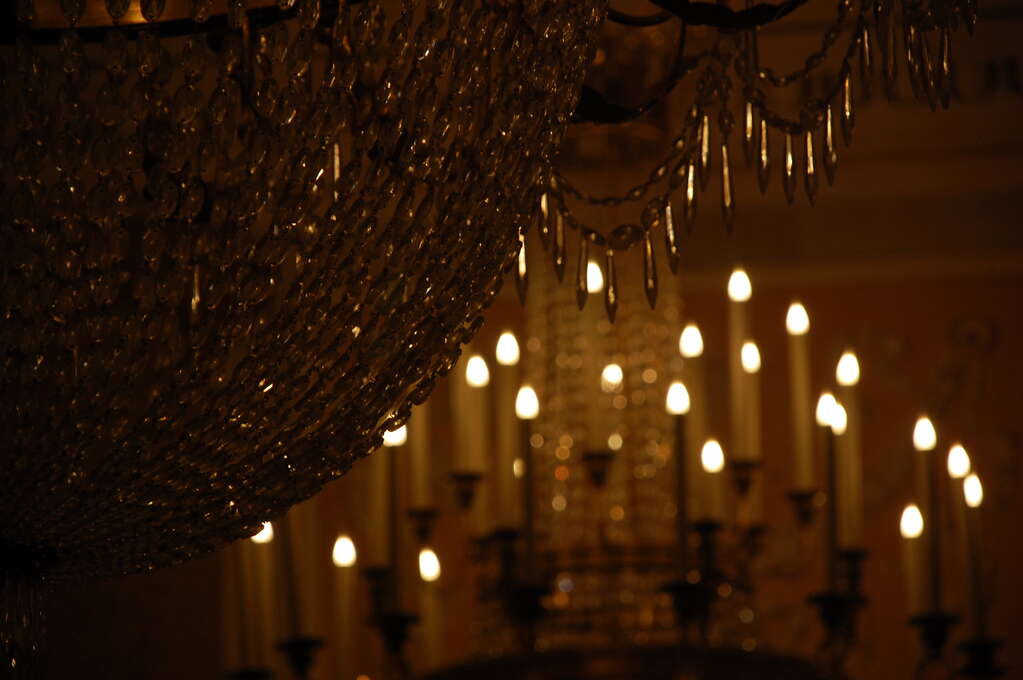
(420, 465)
(740, 290)
(430, 609)
(591, 319)
(300, 558)
(797, 323)
(914, 561)
(925, 439)
(506, 386)
(472, 401)
(751, 362)
(712, 459)
(958, 467)
(972, 497)
(850, 455)
(691, 349)
(346, 584)
(677, 404)
(378, 509)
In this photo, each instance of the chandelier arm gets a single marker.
(637, 21)
(719, 16)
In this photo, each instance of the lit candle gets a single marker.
(430, 608)
(344, 557)
(973, 495)
(712, 460)
(958, 465)
(677, 404)
(421, 469)
(797, 323)
(472, 414)
(749, 355)
(740, 290)
(592, 316)
(690, 345)
(911, 526)
(506, 386)
(261, 563)
(527, 408)
(925, 438)
(300, 574)
(838, 421)
(850, 456)
(378, 501)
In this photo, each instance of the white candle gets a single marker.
(850, 456)
(378, 502)
(473, 416)
(973, 495)
(914, 561)
(740, 290)
(420, 467)
(925, 438)
(506, 387)
(712, 459)
(265, 635)
(344, 557)
(300, 574)
(690, 346)
(431, 614)
(797, 323)
(750, 358)
(592, 316)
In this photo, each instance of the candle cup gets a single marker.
(981, 662)
(851, 570)
(692, 602)
(598, 463)
(934, 628)
(423, 520)
(300, 653)
(465, 487)
(742, 475)
(802, 506)
(250, 674)
(837, 612)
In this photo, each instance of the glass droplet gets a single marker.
(763, 158)
(788, 176)
(689, 194)
(611, 286)
(558, 252)
(649, 270)
(670, 239)
(582, 292)
(848, 112)
(830, 150)
(810, 169)
(727, 198)
(705, 154)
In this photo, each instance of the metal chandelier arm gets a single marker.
(719, 16)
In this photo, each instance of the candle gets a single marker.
(297, 538)
(690, 345)
(344, 557)
(261, 562)
(712, 459)
(378, 501)
(850, 455)
(973, 495)
(958, 466)
(506, 386)
(527, 408)
(430, 608)
(471, 410)
(677, 404)
(925, 438)
(740, 290)
(591, 318)
(420, 468)
(750, 358)
(797, 323)
(838, 422)
(911, 526)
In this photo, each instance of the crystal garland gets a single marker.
(237, 248)
(881, 35)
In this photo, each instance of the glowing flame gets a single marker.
(825, 404)
(344, 554)
(690, 343)
(265, 535)
(797, 321)
(611, 378)
(839, 419)
(848, 370)
(396, 437)
(958, 462)
(594, 278)
(507, 349)
(911, 525)
(476, 372)
(750, 357)
(739, 287)
(429, 565)
(973, 490)
(924, 436)
(712, 457)
(527, 406)
(677, 400)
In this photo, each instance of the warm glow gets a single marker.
(527, 406)
(396, 437)
(839, 419)
(429, 565)
(265, 535)
(924, 436)
(912, 523)
(712, 457)
(973, 490)
(958, 462)
(825, 404)
(476, 372)
(594, 278)
(848, 370)
(739, 287)
(507, 349)
(611, 378)
(518, 468)
(677, 401)
(690, 343)
(797, 321)
(750, 356)
(344, 551)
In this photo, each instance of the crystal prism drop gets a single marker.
(670, 239)
(581, 289)
(749, 134)
(810, 169)
(689, 193)
(649, 271)
(945, 74)
(521, 272)
(611, 287)
(788, 176)
(558, 252)
(848, 112)
(866, 59)
(927, 73)
(544, 223)
(890, 65)
(704, 146)
(763, 158)
(727, 198)
(910, 40)
(830, 152)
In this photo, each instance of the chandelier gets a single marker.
(616, 530)
(240, 240)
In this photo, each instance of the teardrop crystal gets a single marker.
(749, 133)
(689, 193)
(848, 112)
(521, 271)
(945, 75)
(727, 197)
(705, 155)
(543, 225)
(581, 289)
(810, 169)
(763, 158)
(670, 239)
(866, 58)
(928, 73)
(649, 270)
(788, 176)
(830, 150)
(890, 63)
(611, 287)
(558, 252)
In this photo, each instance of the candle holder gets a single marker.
(300, 652)
(837, 612)
(742, 475)
(708, 530)
(377, 578)
(250, 674)
(598, 462)
(505, 540)
(981, 662)
(934, 630)
(693, 601)
(851, 569)
(524, 604)
(423, 520)
(465, 487)
(802, 504)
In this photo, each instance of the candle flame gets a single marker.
(797, 321)
(750, 357)
(924, 436)
(429, 565)
(507, 349)
(594, 278)
(396, 437)
(677, 401)
(690, 342)
(265, 535)
(958, 462)
(712, 457)
(344, 554)
(839, 419)
(740, 289)
(611, 378)
(847, 372)
(973, 490)
(825, 404)
(527, 406)
(477, 374)
(911, 525)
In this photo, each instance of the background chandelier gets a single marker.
(240, 239)
(783, 124)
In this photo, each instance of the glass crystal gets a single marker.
(788, 177)
(727, 198)
(704, 145)
(649, 270)
(848, 111)
(810, 169)
(763, 157)
(610, 285)
(830, 148)
(582, 292)
(670, 239)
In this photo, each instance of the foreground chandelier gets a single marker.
(240, 240)
(785, 125)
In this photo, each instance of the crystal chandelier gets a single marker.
(240, 240)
